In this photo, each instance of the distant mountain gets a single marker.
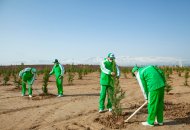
(121, 61)
(130, 61)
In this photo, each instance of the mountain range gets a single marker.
(121, 61)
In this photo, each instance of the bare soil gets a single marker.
(78, 108)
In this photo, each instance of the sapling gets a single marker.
(117, 95)
(186, 78)
(80, 73)
(168, 88)
(71, 75)
(6, 78)
(45, 82)
(17, 81)
(70, 78)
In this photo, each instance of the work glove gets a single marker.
(113, 73)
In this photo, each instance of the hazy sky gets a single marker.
(32, 30)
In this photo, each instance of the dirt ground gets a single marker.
(78, 109)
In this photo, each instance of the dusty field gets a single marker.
(78, 109)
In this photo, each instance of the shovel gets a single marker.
(136, 111)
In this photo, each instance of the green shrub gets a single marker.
(17, 81)
(117, 96)
(168, 88)
(70, 78)
(6, 78)
(45, 82)
(186, 78)
(80, 73)
(71, 74)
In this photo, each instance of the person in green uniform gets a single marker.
(106, 81)
(152, 82)
(28, 76)
(58, 70)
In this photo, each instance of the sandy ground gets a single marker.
(78, 109)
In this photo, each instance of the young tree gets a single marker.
(167, 75)
(168, 88)
(71, 75)
(17, 81)
(80, 73)
(170, 70)
(117, 95)
(70, 78)
(186, 78)
(45, 82)
(6, 78)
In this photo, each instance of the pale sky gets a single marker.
(42, 30)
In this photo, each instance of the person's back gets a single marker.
(152, 77)
(24, 71)
(152, 81)
(28, 76)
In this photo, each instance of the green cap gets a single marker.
(56, 61)
(135, 68)
(33, 70)
(111, 56)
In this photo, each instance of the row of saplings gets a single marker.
(83, 70)
(7, 73)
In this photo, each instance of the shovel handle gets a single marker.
(136, 112)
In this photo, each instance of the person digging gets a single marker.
(28, 76)
(152, 82)
(58, 70)
(106, 81)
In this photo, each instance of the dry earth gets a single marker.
(78, 109)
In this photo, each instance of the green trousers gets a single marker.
(156, 106)
(24, 87)
(105, 89)
(59, 84)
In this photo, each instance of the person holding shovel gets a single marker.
(28, 76)
(58, 70)
(152, 82)
(106, 81)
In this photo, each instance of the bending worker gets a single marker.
(152, 83)
(28, 76)
(107, 66)
(58, 70)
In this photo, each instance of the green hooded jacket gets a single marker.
(58, 70)
(150, 78)
(106, 69)
(26, 74)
